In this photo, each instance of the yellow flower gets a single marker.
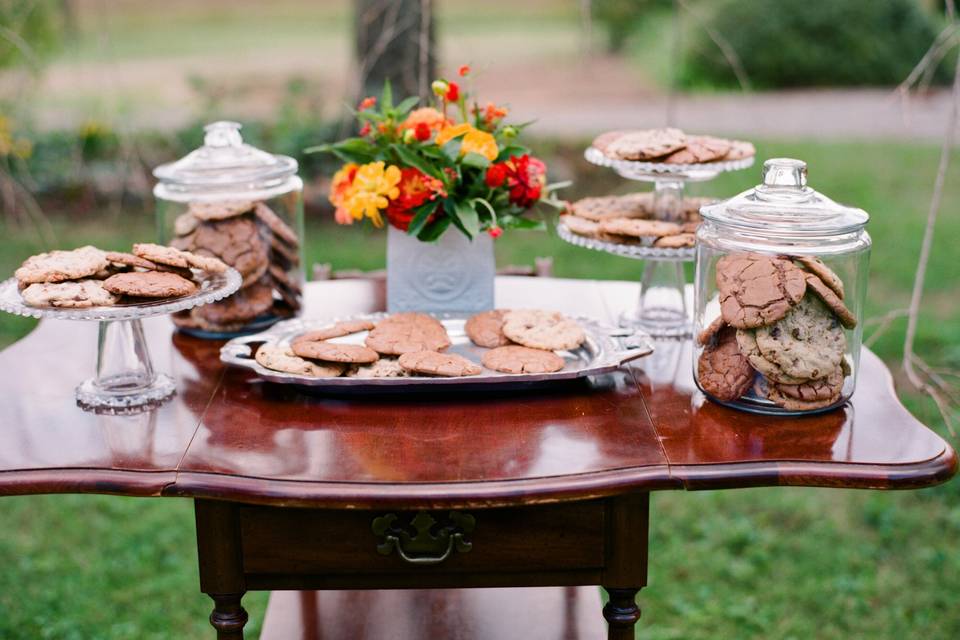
(449, 133)
(373, 188)
(474, 140)
(480, 142)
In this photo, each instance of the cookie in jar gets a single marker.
(232, 201)
(780, 286)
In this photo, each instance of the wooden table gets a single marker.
(535, 489)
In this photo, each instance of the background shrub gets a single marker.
(812, 43)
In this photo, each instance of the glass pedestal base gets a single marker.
(662, 309)
(125, 382)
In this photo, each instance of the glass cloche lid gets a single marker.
(783, 205)
(226, 168)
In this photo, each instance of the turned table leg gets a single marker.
(221, 566)
(621, 613)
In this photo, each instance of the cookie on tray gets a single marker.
(634, 228)
(700, 149)
(678, 241)
(540, 329)
(515, 359)
(599, 208)
(485, 329)
(433, 363)
(722, 370)
(756, 289)
(334, 352)
(382, 368)
(130, 260)
(149, 284)
(646, 144)
(405, 332)
(58, 266)
(740, 149)
(604, 140)
(72, 295)
(280, 358)
(581, 226)
(336, 330)
(177, 258)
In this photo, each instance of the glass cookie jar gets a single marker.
(233, 201)
(780, 284)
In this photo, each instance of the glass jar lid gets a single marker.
(225, 168)
(784, 206)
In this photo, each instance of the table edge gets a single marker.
(134, 483)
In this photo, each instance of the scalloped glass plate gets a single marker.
(213, 287)
(635, 251)
(660, 170)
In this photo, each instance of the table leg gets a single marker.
(221, 566)
(621, 613)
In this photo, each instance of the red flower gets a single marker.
(496, 174)
(495, 232)
(422, 131)
(526, 178)
(366, 103)
(453, 92)
(416, 188)
(463, 70)
(365, 129)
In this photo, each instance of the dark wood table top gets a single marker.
(227, 435)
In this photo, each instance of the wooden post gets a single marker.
(221, 566)
(394, 41)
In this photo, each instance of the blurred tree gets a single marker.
(394, 41)
(30, 30)
(621, 18)
(812, 43)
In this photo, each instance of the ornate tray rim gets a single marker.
(662, 170)
(635, 251)
(609, 355)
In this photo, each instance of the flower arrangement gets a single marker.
(427, 168)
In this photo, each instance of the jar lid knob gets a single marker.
(223, 133)
(785, 172)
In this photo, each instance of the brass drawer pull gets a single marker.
(425, 540)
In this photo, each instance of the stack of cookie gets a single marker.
(780, 333)
(670, 146)
(255, 241)
(628, 219)
(88, 277)
(415, 344)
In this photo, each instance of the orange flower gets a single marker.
(427, 117)
(492, 113)
(463, 70)
(340, 190)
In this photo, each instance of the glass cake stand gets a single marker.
(125, 380)
(662, 309)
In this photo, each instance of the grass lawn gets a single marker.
(759, 563)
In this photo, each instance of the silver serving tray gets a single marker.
(604, 350)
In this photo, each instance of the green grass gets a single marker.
(761, 563)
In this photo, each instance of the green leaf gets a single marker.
(406, 105)
(518, 222)
(475, 160)
(511, 150)
(410, 158)
(420, 219)
(386, 98)
(469, 220)
(435, 229)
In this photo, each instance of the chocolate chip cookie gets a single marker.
(539, 329)
(817, 267)
(336, 330)
(700, 149)
(646, 144)
(280, 358)
(334, 352)
(808, 343)
(598, 208)
(635, 228)
(828, 296)
(747, 339)
(580, 226)
(58, 266)
(71, 295)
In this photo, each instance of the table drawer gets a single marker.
(315, 541)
